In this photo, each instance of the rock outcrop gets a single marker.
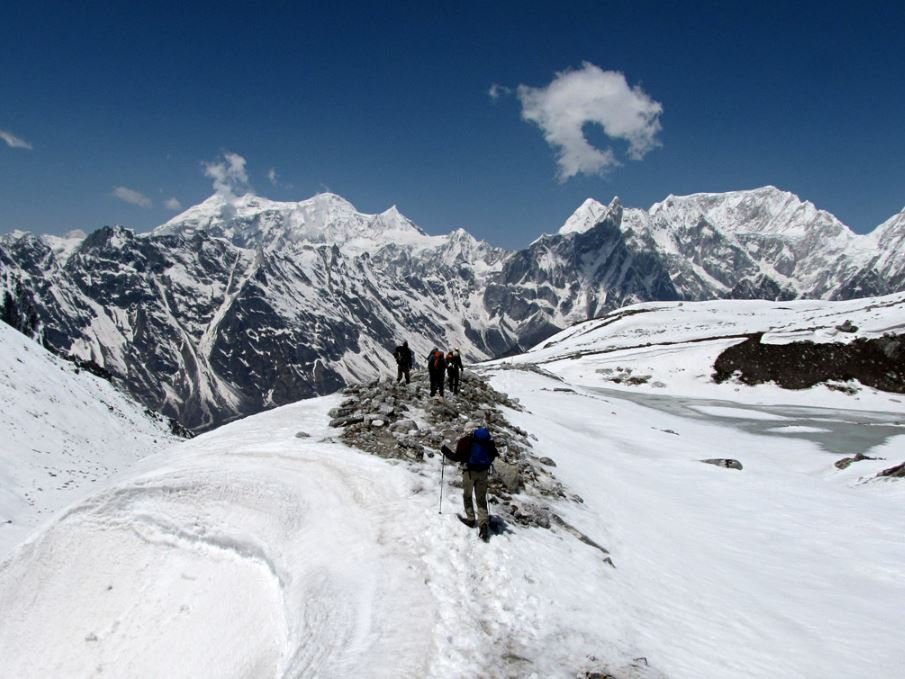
(398, 421)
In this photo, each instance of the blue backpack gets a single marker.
(482, 450)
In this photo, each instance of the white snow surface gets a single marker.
(675, 344)
(267, 548)
(63, 431)
(589, 214)
(255, 221)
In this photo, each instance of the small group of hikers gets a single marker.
(475, 452)
(440, 367)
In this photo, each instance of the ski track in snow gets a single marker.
(222, 562)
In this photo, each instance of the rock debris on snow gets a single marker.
(398, 421)
(724, 462)
(845, 462)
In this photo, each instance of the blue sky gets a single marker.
(109, 111)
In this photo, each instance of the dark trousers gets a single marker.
(436, 382)
(454, 382)
(403, 372)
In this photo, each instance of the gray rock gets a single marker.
(346, 421)
(547, 461)
(724, 462)
(897, 472)
(845, 462)
(508, 475)
(847, 326)
(404, 425)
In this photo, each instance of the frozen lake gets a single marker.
(841, 432)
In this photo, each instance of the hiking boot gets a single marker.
(484, 532)
(468, 522)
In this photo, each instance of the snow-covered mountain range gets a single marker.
(242, 303)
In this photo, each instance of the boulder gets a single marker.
(729, 463)
(897, 472)
(404, 425)
(347, 420)
(508, 475)
(846, 461)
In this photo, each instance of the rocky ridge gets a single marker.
(398, 421)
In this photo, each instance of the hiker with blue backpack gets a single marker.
(475, 452)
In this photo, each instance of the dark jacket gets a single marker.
(404, 357)
(436, 362)
(463, 452)
(454, 364)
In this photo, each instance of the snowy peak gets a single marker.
(257, 222)
(890, 242)
(590, 214)
(764, 211)
(894, 228)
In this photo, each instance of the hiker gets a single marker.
(453, 369)
(436, 368)
(404, 358)
(476, 452)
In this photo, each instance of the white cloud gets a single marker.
(13, 141)
(496, 91)
(131, 196)
(591, 95)
(172, 204)
(229, 175)
(272, 176)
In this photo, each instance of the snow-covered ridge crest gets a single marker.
(254, 221)
(589, 214)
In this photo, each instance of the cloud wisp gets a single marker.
(172, 204)
(229, 175)
(496, 91)
(576, 98)
(131, 196)
(13, 141)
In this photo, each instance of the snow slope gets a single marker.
(267, 548)
(674, 346)
(63, 431)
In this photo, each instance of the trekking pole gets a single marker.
(442, 469)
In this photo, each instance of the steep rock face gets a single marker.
(242, 304)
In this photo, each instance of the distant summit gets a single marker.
(251, 221)
(589, 214)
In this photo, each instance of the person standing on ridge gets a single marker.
(476, 452)
(453, 369)
(404, 359)
(436, 369)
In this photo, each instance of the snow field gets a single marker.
(244, 553)
(675, 346)
(772, 571)
(64, 431)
